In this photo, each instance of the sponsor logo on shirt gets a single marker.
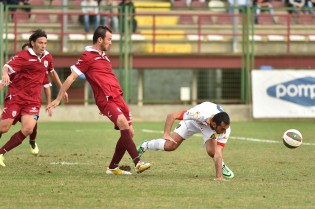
(32, 60)
(192, 114)
(34, 109)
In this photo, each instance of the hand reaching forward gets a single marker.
(51, 106)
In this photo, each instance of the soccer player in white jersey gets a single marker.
(207, 118)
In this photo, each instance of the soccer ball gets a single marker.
(292, 138)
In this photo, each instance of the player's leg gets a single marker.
(5, 125)
(120, 116)
(10, 114)
(33, 144)
(160, 144)
(28, 123)
(183, 131)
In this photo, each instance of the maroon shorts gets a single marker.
(115, 107)
(15, 111)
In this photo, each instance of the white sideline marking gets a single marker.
(234, 137)
(63, 163)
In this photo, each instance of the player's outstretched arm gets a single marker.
(56, 79)
(218, 163)
(5, 76)
(47, 92)
(65, 86)
(168, 125)
(1, 86)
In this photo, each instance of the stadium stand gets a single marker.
(171, 26)
(37, 2)
(266, 19)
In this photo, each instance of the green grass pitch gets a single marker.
(70, 170)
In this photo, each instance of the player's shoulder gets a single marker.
(87, 55)
(21, 55)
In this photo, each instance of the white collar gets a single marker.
(31, 51)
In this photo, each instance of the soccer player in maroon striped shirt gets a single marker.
(97, 68)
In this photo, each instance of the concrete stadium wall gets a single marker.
(144, 113)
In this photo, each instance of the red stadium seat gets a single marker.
(284, 19)
(76, 3)
(21, 17)
(37, 2)
(42, 18)
(199, 5)
(179, 5)
(186, 20)
(224, 20)
(56, 3)
(205, 20)
(305, 19)
(265, 19)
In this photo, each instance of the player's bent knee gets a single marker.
(211, 154)
(170, 146)
(27, 131)
(122, 122)
(4, 129)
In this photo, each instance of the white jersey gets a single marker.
(196, 120)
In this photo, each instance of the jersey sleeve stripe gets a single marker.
(48, 85)
(181, 117)
(75, 69)
(10, 69)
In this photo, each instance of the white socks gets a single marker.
(154, 144)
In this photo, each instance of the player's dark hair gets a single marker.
(24, 46)
(100, 32)
(221, 117)
(36, 34)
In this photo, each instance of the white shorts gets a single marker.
(188, 128)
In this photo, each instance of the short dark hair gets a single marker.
(100, 32)
(24, 45)
(36, 34)
(221, 117)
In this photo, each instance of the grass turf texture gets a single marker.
(70, 170)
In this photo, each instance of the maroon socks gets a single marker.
(124, 143)
(14, 141)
